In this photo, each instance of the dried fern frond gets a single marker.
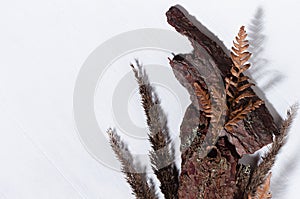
(204, 99)
(138, 181)
(162, 156)
(263, 169)
(263, 191)
(216, 112)
(241, 113)
(237, 83)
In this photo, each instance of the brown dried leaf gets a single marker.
(237, 86)
(204, 99)
(244, 78)
(244, 87)
(241, 113)
(243, 96)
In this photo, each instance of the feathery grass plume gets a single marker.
(237, 84)
(265, 166)
(142, 189)
(263, 191)
(162, 156)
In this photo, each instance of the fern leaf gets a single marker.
(241, 113)
(204, 99)
(244, 87)
(244, 78)
(243, 96)
(237, 85)
(239, 56)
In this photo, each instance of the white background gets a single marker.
(42, 47)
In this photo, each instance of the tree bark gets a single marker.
(215, 175)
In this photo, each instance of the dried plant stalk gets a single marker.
(264, 168)
(263, 191)
(162, 156)
(142, 189)
(248, 124)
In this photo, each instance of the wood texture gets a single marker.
(218, 174)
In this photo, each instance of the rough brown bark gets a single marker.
(262, 124)
(212, 176)
(215, 175)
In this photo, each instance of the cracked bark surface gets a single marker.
(215, 175)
